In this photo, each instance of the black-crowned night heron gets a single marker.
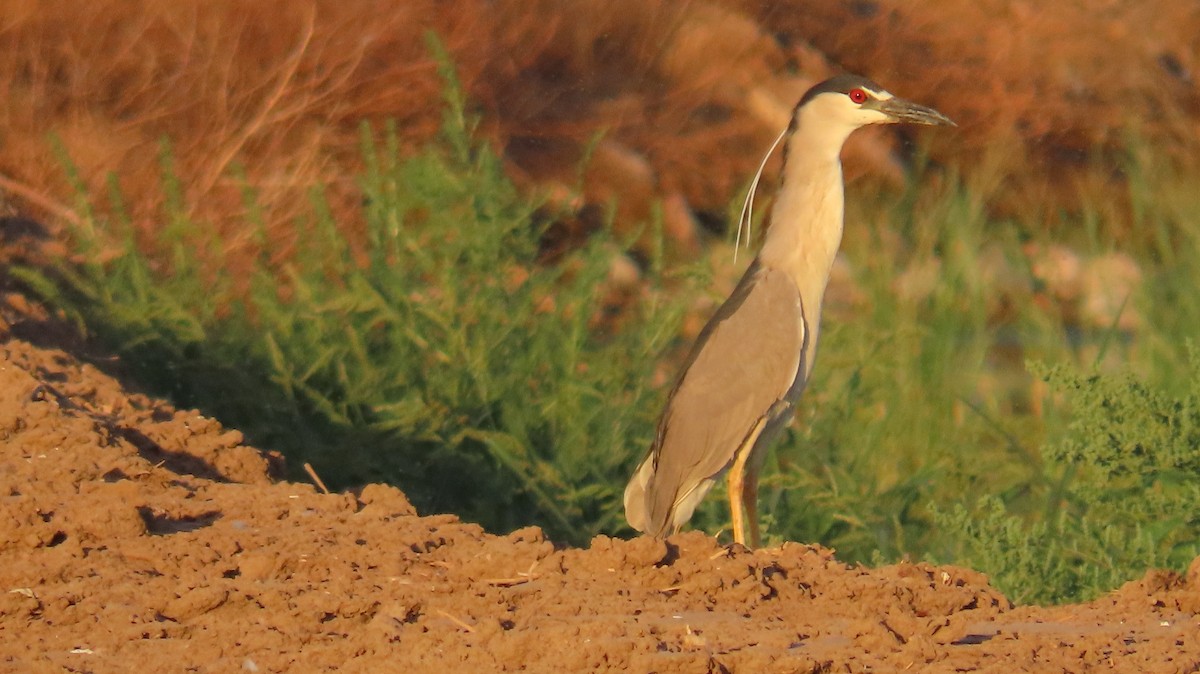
(752, 360)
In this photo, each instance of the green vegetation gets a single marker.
(1126, 495)
(450, 359)
(450, 362)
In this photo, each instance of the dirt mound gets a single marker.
(134, 535)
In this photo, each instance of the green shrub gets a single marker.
(452, 362)
(1124, 495)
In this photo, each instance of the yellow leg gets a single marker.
(750, 500)
(743, 501)
(743, 498)
(736, 484)
(743, 489)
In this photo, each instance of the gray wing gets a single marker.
(745, 361)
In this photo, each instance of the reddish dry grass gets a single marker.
(1046, 86)
(687, 92)
(275, 87)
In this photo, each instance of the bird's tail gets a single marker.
(636, 507)
(669, 515)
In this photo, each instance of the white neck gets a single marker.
(805, 228)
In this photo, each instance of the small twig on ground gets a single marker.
(521, 578)
(509, 582)
(315, 478)
(456, 621)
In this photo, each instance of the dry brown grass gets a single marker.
(1044, 85)
(687, 92)
(276, 87)
(280, 88)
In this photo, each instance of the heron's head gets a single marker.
(826, 116)
(830, 111)
(856, 101)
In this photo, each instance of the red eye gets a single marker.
(858, 96)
